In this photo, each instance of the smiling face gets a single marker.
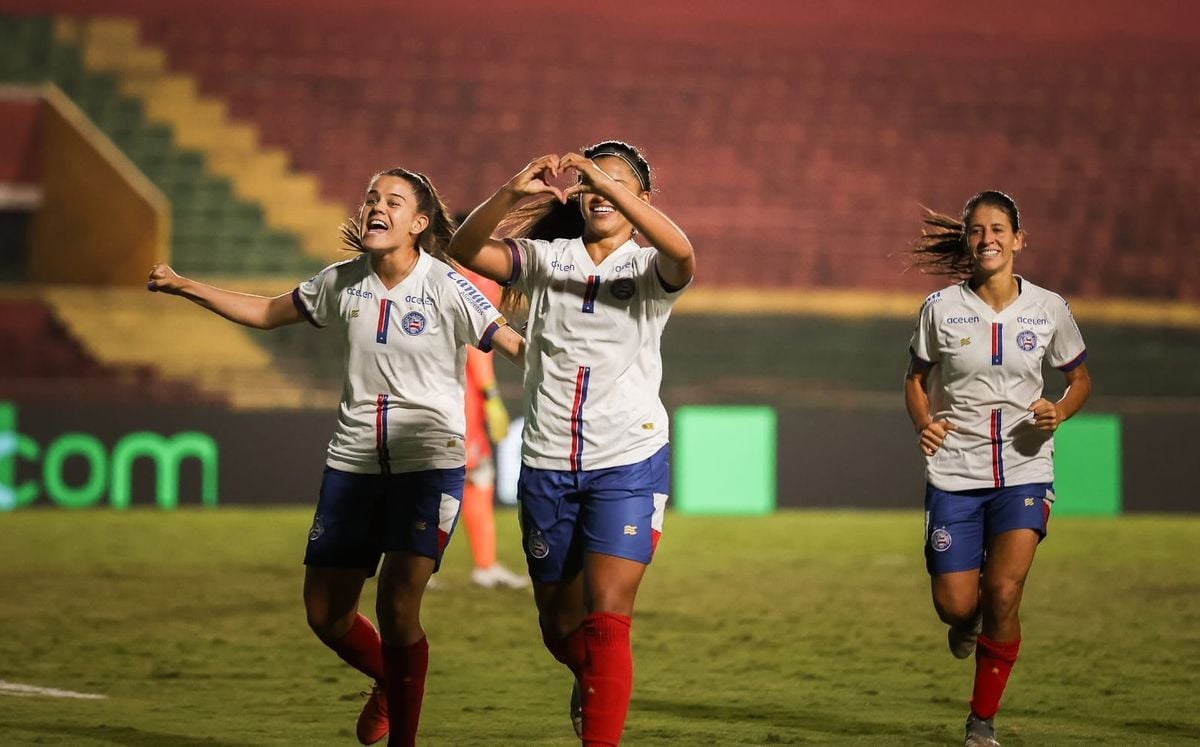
(390, 216)
(601, 219)
(991, 241)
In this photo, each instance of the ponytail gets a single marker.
(942, 248)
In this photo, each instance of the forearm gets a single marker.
(1074, 397)
(477, 229)
(662, 233)
(511, 345)
(243, 308)
(916, 401)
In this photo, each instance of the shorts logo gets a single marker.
(535, 543)
(413, 323)
(318, 528)
(622, 288)
(420, 526)
(940, 540)
(1029, 502)
(1027, 340)
(630, 530)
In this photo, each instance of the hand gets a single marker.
(1046, 415)
(164, 280)
(591, 178)
(496, 417)
(933, 434)
(535, 178)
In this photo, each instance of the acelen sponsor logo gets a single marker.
(106, 473)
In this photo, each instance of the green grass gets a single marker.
(802, 628)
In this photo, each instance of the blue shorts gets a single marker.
(959, 523)
(360, 517)
(614, 511)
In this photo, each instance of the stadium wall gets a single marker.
(827, 457)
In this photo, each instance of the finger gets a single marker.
(577, 188)
(548, 162)
(946, 424)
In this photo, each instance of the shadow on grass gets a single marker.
(122, 735)
(801, 718)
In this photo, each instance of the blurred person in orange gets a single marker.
(487, 425)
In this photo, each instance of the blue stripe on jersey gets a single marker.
(385, 311)
(381, 447)
(299, 304)
(997, 344)
(997, 450)
(1074, 363)
(485, 340)
(581, 386)
(516, 262)
(589, 295)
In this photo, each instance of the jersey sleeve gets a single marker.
(529, 263)
(317, 297)
(659, 287)
(475, 319)
(924, 343)
(1066, 349)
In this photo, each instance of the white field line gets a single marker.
(17, 688)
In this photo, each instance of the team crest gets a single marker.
(1027, 340)
(940, 540)
(413, 323)
(318, 528)
(535, 543)
(622, 289)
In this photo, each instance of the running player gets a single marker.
(974, 393)
(594, 476)
(487, 424)
(393, 479)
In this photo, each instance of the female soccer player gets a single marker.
(594, 470)
(393, 479)
(974, 393)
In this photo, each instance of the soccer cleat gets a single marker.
(372, 723)
(980, 732)
(962, 639)
(577, 709)
(497, 576)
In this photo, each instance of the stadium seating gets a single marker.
(796, 154)
(43, 362)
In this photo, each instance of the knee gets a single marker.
(955, 615)
(1003, 598)
(399, 614)
(956, 610)
(326, 626)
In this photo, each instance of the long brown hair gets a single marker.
(436, 236)
(942, 248)
(546, 218)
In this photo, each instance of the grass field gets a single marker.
(802, 628)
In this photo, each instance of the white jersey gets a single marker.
(402, 401)
(987, 371)
(593, 362)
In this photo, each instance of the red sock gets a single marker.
(993, 663)
(569, 650)
(360, 648)
(405, 668)
(607, 678)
